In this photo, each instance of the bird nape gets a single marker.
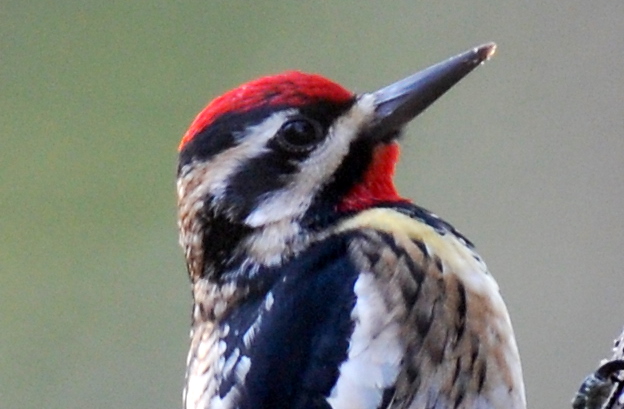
(315, 284)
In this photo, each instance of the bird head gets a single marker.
(293, 151)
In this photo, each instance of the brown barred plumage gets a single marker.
(457, 335)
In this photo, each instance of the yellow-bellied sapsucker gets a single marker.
(315, 284)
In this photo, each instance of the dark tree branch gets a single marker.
(603, 389)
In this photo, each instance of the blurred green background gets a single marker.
(525, 157)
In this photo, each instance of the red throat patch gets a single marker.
(377, 185)
(288, 88)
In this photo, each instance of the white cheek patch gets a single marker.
(292, 201)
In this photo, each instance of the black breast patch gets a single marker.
(298, 333)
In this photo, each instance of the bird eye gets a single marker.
(299, 134)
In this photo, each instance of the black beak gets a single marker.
(398, 103)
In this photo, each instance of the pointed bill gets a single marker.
(398, 103)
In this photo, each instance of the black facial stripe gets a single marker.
(220, 135)
(273, 170)
(348, 174)
(256, 178)
(206, 144)
(219, 242)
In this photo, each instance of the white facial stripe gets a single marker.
(293, 200)
(225, 164)
(215, 173)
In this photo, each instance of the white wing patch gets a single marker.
(375, 351)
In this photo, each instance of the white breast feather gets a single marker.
(374, 352)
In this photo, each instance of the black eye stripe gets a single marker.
(225, 132)
(205, 145)
(257, 177)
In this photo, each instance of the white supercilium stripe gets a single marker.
(293, 200)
